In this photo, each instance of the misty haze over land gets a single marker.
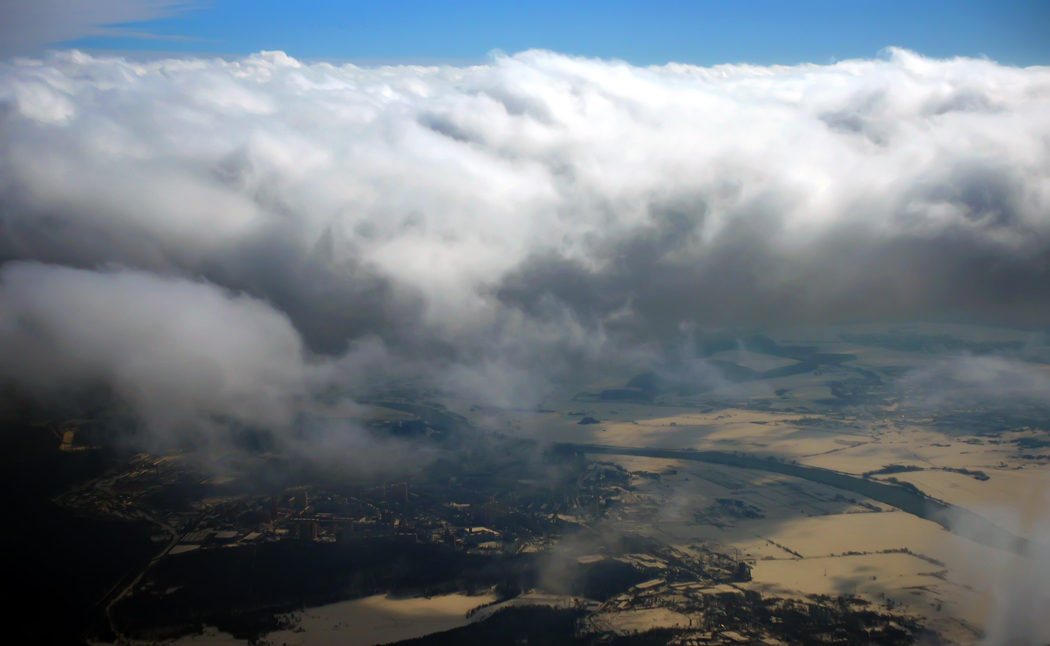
(232, 238)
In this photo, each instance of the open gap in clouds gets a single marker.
(493, 228)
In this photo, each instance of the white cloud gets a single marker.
(175, 349)
(502, 223)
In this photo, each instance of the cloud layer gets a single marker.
(260, 226)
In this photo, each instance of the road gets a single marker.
(176, 536)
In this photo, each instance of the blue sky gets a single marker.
(755, 31)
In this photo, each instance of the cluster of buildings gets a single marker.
(192, 511)
(700, 594)
(729, 614)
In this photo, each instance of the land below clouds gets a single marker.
(261, 549)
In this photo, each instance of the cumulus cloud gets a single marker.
(173, 348)
(492, 228)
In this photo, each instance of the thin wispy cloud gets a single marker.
(26, 26)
